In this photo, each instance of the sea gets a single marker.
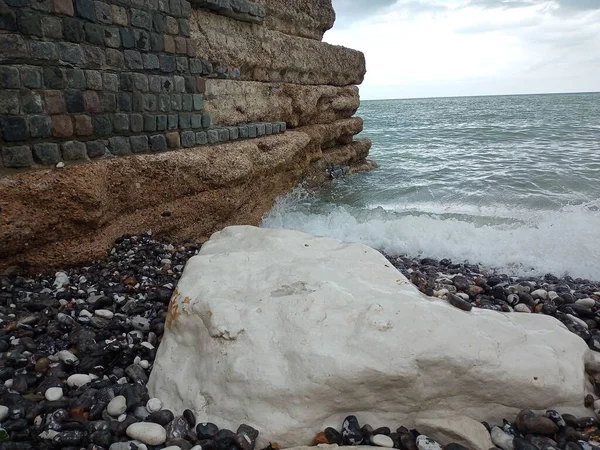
(508, 182)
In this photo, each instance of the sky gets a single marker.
(441, 48)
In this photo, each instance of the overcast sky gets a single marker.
(430, 48)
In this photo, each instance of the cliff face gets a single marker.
(274, 106)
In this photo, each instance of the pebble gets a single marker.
(3, 413)
(426, 443)
(586, 302)
(67, 357)
(522, 308)
(501, 439)
(104, 313)
(351, 434)
(117, 406)
(459, 303)
(78, 380)
(154, 404)
(54, 393)
(381, 440)
(148, 433)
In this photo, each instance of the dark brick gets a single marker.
(275, 128)
(115, 58)
(149, 122)
(46, 153)
(181, 64)
(169, 44)
(119, 15)
(188, 139)
(124, 101)
(186, 8)
(16, 157)
(8, 20)
(233, 133)
(9, 102)
(52, 27)
(142, 40)
(64, 7)
(223, 134)
(158, 143)
(180, 45)
(167, 84)
(175, 7)
(191, 48)
(213, 136)
(93, 79)
(191, 84)
(120, 123)
(268, 128)
(9, 77)
(206, 120)
(196, 65)
(133, 60)
(198, 101)
(74, 30)
(176, 102)
(201, 138)
(12, 45)
(94, 34)
(150, 61)
(156, 42)
(163, 5)
(73, 151)
(95, 56)
(16, 3)
(126, 81)
(112, 37)
(196, 121)
(172, 121)
(110, 81)
(95, 149)
(31, 102)
(62, 126)
(164, 102)
(76, 78)
(154, 83)
(184, 27)
(55, 102)
(127, 39)
(185, 120)
(139, 4)
(125, 3)
(151, 5)
(141, 19)
(173, 140)
(43, 50)
(161, 122)
(42, 5)
(91, 102)
(140, 82)
(186, 102)
(14, 129)
(137, 122)
(251, 130)
(179, 83)
(74, 101)
(85, 9)
(150, 103)
(201, 85)
(243, 131)
(139, 144)
(102, 125)
(137, 101)
(29, 23)
(207, 67)
(119, 145)
(159, 23)
(71, 53)
(260, 129)
(83, 125)
(103, 13)
(108, 100)
(167, 63)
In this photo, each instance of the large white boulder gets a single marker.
(290, 333)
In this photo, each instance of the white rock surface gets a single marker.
(147, 432)
(53, 393)
(290, 333)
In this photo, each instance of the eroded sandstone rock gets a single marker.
(304, 18)
(295, 332)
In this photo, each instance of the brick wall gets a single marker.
(85, 79)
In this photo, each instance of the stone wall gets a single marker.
(114, 83)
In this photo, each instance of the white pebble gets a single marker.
(104, 313)
(122, 418)
(117, 406)
(3, 413)
(597, 403)
(463, 295)
(586, 302)
(540, 293)
(426, 443)
(522, 308)
(172, 447)
(60, 165)
(85, 313)
(48, 434)
(196, 447)
(78, 380)
(53, 394)
(67, 357)
(60, 280)
(148, 433)
(153, 405)
(440, 293)
(577, 320)
(144, 364)
(381, 440)
(147, 344)
(502, 439)
(552, 295)
(122, 380)
(9, 383)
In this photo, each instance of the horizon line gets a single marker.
(478, 95)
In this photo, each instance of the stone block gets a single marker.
(85, 9)
(156, 42)
(159, 23)
(188, 139)
(154, 83)
(179, 83)
(39, 126)
(233, 133)
(275, 127)
(151, 5)
(8, 20)
(14, 128)
(171, 25)
(201, 138)
(196, 65)
(268, 128)
(169, 44)
(191, 85)
(149, 122)
(213, 136)
(164, 102)
(243, 131)
(64, 7)
(12, 46)
(10, 102)
(191, 48)
(73, 151)
(223, 134)
(163, 5)
(76, 79)
(103, 13)
(252, 133)
(42, 5)
(115, 59)
(186, 8)
(175, 7)
(173, 140)
(120, 123)
(161, 122)
(206, 120)
(185, 120)
(167, 63)
(119, 15)
(126, 79)
(93, 80)
(95, 149)
(62, 126)
(180, 45)
(110, 81)
(75, 101)
(127, 37)
(91, 102)
(94, 33)
(46, 153)
(112, 37)
(141, 19)
(172, 121)
(181, 64)
(9, 78)
(140, 82)
(186, 102)
(119, 145)
(142, 40)
(139, 4)
(184, 27)
(136, 121)
(198, 102)
(124, 101)
(43, 50)
(29, 23)
(158, 143)
(133, 60)
(282, 127)
(196, 120)
(201, 85)
(260, 129)
(55, 102)
(102, 125)
(150, 103)
(52, 27)
(108, 100)
(150, 61)
(167, 84)
(83, 125)
(17, 157)
(137, 101)
(139, 144)
(73, 29)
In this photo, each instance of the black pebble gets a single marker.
(351, 434)
(206, 431)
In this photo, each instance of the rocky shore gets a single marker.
(77, 347)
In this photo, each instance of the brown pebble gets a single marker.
(41, 365)
(588, 401)
(320, 439)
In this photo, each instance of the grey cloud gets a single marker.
(348, 11)
(564, 5)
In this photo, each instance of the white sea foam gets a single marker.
(558, 242)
